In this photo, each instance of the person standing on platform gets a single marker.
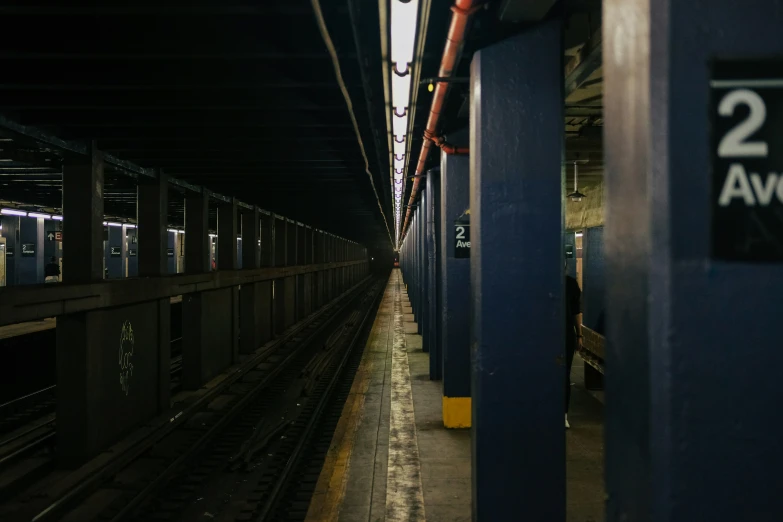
(52, 271)
(573, 333)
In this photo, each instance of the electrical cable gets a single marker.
(338, 73)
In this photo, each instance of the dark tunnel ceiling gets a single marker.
(238, 97)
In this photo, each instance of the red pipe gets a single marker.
(448, 148)
(462, 11)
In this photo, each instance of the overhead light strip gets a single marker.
(404, 22)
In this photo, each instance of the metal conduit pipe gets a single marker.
(448, 148)
(462, 11)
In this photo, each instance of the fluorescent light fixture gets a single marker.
(212, 235)
(399, 164)
(38, 215)
(180, 231)
(403, 32)
(399, 147)
(130, 225)
(105, 223)
(401, 92)
(399, 125)
(579, 234)
(172, 230)
(57, 218)
(12, 212)
(113, 224)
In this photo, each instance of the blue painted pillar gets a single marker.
(51, 247)
(433, 275)
(593, 279)
(455, 294)
(692, 419)
(171, 252)
(517, 281)
(29, 264)
(12, 248)
(132, 252)
(423, 266)
(423, 300)
(414, 245)
(115, 250)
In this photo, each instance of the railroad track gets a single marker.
(31, 408)
(134, 483)
(252, 470)
(30, 433)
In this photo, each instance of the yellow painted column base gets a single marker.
(456, 412)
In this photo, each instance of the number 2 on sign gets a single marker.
(733, 143)
(460, 232)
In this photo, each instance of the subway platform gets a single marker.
(391, 459)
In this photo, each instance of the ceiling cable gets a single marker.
(338, 73)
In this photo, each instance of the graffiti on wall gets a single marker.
(126, 354)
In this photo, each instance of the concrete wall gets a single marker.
(255, 315)
(586, 213)
(290, 301)
(208, 336)
(107, 377)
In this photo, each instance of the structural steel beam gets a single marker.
(584, 64)
(31, 303)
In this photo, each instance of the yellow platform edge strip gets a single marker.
(456, 412)
(330, 489)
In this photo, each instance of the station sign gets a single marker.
(746, 116)
(54, 236)
(170, 252)
(28, 249)
(115, 251)
(462, 236)
(132, 252)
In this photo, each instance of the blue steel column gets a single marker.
(455, 294)
(412, 295)
(692, 419)
(432, 332)
(423, 267)
(197, 232)
(152, 213)
(411, 239)
(417, 246)
(516, 142)
(227, 235)
(82, 218)
(423, 302)
(417, 264)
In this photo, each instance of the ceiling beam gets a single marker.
(584, 64)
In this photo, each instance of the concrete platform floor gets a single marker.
(391, 459)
